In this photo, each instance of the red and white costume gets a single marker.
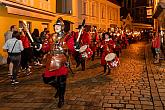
(108, 46)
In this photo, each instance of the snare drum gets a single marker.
(86, 52)
(112, 60)
(83, 48)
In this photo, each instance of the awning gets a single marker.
(159, 9)
(23, 10)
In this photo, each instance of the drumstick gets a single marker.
(79, 34)
(27, 30)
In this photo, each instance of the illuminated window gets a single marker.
(64, 6)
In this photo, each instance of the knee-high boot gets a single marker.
(55, 84)
(93, 56)
(109, 70)
(83, 64)
(57, 91)
(77, 59)
(105, 67)
(62, 88)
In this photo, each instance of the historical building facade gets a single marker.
(140, 11)
(159, 19)
(43, 13)
(100, 13)
(159, 15)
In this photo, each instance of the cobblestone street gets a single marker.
(136, 84)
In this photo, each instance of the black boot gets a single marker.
(57, 94)
(83, 64)
(93, 56)
(62, 87)
(77, 59)
(109, 71)
(105, 67)
(61, 102)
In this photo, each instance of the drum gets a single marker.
(112, 60)
(83, 48)
(110, 57)
(86, 52)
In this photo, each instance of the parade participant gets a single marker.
(124, 41)
(43, 34)
(26, 53)
(108, 46)
(94, 42)
(117, 47)
(57, 63)
(46, 43)
(84, 40)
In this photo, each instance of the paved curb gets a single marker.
(158, 104)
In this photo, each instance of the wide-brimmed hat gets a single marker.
(79, 27)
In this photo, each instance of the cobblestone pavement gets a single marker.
(135, 84)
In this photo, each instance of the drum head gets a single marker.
(110, 56)
(83, 48)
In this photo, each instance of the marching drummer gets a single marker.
(107, 46)
(84, 40)
(94, 42)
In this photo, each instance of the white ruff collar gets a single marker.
(107, 39)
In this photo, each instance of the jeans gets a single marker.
(15, 59)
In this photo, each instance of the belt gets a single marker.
(14, 54)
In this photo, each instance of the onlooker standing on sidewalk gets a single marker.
(156, 46)
(153, 47)
(8, 35)
(14, 48)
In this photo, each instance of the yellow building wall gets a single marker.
(39, 4)
(6, 20)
